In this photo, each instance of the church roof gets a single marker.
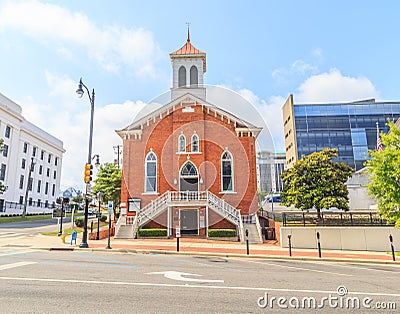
(164, 110)
(187, 49)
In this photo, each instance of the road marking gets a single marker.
(149, 284)
(177, 275)
(13, 265)
(16, 253)
(302, 268)
(12, 235)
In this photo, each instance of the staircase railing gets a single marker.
(150, 211)
(259, 229)
(225, 209)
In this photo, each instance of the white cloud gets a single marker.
(298, 68)
(69, 122)
(112, 47)
(271, 112)
(334, 87)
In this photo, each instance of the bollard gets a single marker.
(319, 246)
(290, 244)
(247, 242)
(391, 244)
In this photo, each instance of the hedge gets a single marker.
(79, 222)
(221, 233)
(152, 232)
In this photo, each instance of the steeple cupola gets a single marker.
(188, 68)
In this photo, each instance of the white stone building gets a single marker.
(269, 169)
(25, 143)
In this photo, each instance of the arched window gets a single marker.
(195, 143)
(151, 173)
(227, 171)
(194, 78)
(189, 170)
(182, 76)
(182, 143)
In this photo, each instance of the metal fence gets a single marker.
(298, 218)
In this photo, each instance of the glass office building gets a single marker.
(349, 127)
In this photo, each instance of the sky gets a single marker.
(319, 51)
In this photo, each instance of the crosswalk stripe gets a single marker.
(17, 264)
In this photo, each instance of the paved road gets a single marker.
(110, 282)
(30, 224)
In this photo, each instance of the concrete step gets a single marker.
(124, 232)
(254, 236)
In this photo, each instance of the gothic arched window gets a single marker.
(182, 143)
(150, 173)
(194, 77)
(182, 76)
(227, 171)
(195, 143)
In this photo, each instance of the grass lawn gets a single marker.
(27, 218)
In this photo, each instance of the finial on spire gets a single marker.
(188, 36)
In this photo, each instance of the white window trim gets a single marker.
(198, 143)
(145, 173)
(232, 191)
(181, 136)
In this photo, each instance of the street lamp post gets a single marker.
(80, 93)
(31, 168)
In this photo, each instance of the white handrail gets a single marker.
(259, 230)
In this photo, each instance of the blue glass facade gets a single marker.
(349, 127)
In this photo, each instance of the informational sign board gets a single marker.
(57, 213)
(110, 207)
(178, 232)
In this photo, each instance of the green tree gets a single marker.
(384, 168)
(108, 181)
(3, 187)
(315, 181)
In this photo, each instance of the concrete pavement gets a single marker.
(199, 247)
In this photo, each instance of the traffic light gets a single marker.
(88, 173)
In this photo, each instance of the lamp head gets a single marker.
(80, 91)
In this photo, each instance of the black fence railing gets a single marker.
(296, 218)
(13, 205)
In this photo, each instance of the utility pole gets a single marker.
(118, 149)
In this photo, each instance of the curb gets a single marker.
(227, 255)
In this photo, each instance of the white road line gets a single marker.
(149, 284)
(17, 253)
(17, 264)
(364, 267)
(301, 268)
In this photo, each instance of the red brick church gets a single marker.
(189, 165)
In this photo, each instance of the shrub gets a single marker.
(103, 218)
(221, 233)
(79, 222)
(152, 232)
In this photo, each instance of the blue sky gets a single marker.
(264, 50)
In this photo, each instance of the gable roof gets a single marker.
(138, 124)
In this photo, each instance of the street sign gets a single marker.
(178, 232)
(57, 213)
(98, 214)
(110, 207)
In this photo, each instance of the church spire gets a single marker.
(188, 37)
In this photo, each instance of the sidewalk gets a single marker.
(193, 246)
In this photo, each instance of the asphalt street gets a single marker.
(40, 281)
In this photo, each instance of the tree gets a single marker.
(315, 181)
(109, 183)
(384, 168)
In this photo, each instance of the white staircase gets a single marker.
(174, 198)
(252, 224)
